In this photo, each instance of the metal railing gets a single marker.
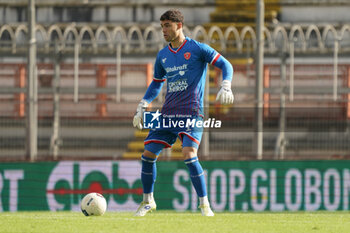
(103, 39)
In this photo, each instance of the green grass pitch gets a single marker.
(171, 221)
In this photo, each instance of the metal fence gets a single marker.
(102, 40)
(96, 100)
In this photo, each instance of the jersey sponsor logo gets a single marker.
(178, 85)
(176, 68)
(164, 60)
(181, 71)
(187, 55)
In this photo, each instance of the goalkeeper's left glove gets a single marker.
(138, 121)
(225, 95)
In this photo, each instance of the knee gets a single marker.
(189, 152)
(149, 154)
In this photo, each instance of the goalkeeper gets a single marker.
(183, 64)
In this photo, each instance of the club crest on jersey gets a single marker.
(187, 55)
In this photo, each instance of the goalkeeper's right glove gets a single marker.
(138, 118)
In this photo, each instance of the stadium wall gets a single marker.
(126, 12)
(233, 186)
(315, 14)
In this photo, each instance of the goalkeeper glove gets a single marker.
(138, 121)
(225, 95)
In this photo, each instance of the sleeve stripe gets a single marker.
(215, 59)
(159, 80)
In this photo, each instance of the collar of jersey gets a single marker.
(179, 48)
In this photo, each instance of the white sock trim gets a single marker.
(204, 200)
(148, 197)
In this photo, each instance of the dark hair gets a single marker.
(173, 15)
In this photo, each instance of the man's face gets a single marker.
(171, 30)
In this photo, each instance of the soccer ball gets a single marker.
(93, 204)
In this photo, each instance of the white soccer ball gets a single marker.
(93, 204)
